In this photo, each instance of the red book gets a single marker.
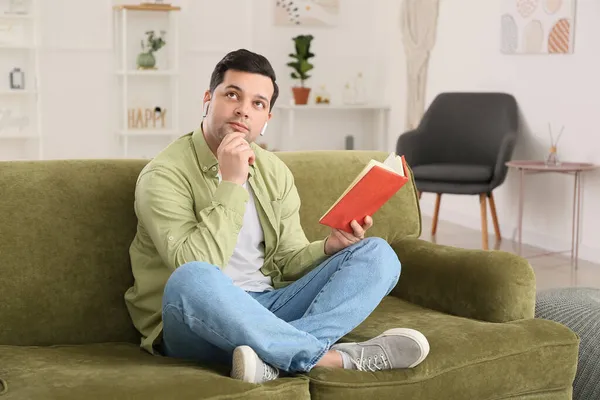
(371, 189)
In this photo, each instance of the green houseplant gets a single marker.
(146, 60)
(301, 66)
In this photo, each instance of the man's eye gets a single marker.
(232, 95)
(260, 104)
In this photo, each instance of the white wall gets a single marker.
(80, 92)
(557, 89)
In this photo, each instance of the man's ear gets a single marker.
(206, 101)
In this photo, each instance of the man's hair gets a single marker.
(245, 61)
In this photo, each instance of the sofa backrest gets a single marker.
(66, 227)
(322, 176)
(65, 231)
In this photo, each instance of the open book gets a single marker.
(371, 189)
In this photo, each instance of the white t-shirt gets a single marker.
(249, 254)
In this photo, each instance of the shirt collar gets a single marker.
(206, 159)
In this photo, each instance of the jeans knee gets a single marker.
(387, 263)
(190, 277)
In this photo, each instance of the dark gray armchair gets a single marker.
(461, 146)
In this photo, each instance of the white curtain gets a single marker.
(419, 23)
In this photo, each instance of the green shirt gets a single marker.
(185, 214)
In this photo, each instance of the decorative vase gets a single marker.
(301, 95)
(146, 61)
(360, 90)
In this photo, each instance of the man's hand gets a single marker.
(235, 156)
(339, 240)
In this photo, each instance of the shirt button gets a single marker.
(171, 238)
(214, 168)
(204, 168)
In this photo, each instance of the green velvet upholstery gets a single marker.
(122, 371)
(469, 359)
(66, 226)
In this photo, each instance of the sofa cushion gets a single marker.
(123, 371)
(469, 359)
(453, 173)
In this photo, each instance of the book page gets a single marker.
(395, 162)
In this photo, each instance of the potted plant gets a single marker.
(301, 66)
(146, 60)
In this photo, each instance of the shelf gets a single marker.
(17, 92)
(17, 136)
(142, 72)
(148, 132)
(147, 7)
(333, 107)
(16, 17)
(16, 46)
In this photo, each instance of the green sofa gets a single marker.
(65, 229)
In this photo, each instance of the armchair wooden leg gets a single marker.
(484, 231)
(494, 217)
(436, 213)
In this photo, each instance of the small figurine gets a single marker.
(322, 96)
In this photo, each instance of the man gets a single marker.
(223, 270)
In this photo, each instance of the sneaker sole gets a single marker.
(244, 364)
(417, 336)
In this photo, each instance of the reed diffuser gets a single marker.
(552, 159)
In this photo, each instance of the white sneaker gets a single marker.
(394, 348)
(248, 367)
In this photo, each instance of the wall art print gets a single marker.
(307, 12)
(538, 26)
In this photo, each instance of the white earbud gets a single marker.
(206, 109)
(262, 133)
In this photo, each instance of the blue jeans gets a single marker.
(206, 317)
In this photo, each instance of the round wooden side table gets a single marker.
(571, 168)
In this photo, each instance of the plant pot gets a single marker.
(301, 94)
(146, 61)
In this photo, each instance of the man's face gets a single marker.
(239, 104)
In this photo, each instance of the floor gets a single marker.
(551, 271)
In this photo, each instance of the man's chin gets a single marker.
(228, 130)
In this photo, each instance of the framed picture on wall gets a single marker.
(307, 12)
(538, 26)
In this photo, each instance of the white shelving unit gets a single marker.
(380, 112)
(24, 47)
(127, 73)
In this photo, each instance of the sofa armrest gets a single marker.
(492, 286)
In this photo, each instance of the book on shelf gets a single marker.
(370, 190)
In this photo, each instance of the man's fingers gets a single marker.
(235, 142)
(344, 234)
(236, 146)
(368, 223)
(250, 155)
(358, 230)
(230, 137)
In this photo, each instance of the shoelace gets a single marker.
(269, 373)
(375, 363)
